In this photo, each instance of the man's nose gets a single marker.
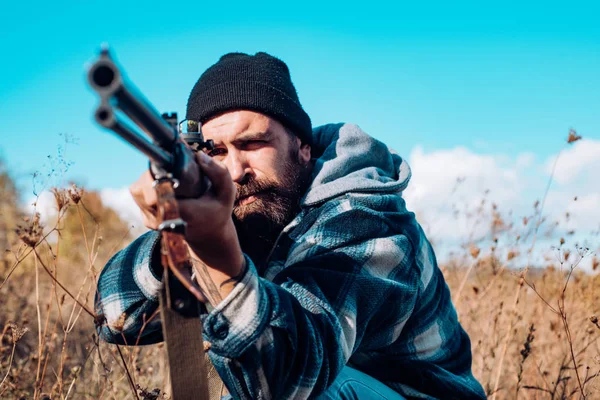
(238, 167)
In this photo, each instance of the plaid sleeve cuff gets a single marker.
(237, 322)
(147, 270)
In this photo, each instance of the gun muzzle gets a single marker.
(108, 81)
(167, 151)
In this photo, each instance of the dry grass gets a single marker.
(534, 330)
(48, 345)
(552, 325)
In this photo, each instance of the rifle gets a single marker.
(176, 175)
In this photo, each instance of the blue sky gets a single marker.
(493, 77)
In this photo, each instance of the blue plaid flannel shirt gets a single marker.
(352, 281)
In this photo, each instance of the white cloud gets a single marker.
(443, 173)
(578, 160)
(45, 204)
(585, 212)
(121, 201)
(575, 189)
(448, 186)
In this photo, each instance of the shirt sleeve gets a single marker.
(127, 294)
(290, 337)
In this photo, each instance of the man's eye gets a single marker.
(252, 144)
(216, 152)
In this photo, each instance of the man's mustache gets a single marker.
(252, 188)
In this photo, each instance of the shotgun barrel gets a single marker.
(167, 151)
(107, 118)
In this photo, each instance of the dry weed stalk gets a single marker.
(54, 331)
(573, 137)
(560, 310)
(525, 352)
(17, 334)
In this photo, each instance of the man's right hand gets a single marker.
(210, 231)
(144, 196)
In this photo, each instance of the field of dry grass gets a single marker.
(532, 324)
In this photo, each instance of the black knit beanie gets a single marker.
(258, 83)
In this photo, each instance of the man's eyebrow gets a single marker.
(248, 136)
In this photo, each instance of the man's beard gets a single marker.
(259, 223)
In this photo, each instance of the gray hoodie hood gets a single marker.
(349, 160)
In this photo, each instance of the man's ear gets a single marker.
(304, 152)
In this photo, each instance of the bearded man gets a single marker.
(322, 284)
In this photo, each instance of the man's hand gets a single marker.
(210, 231)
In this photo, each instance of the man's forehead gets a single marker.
(231, 125)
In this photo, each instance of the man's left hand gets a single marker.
(210, 231)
